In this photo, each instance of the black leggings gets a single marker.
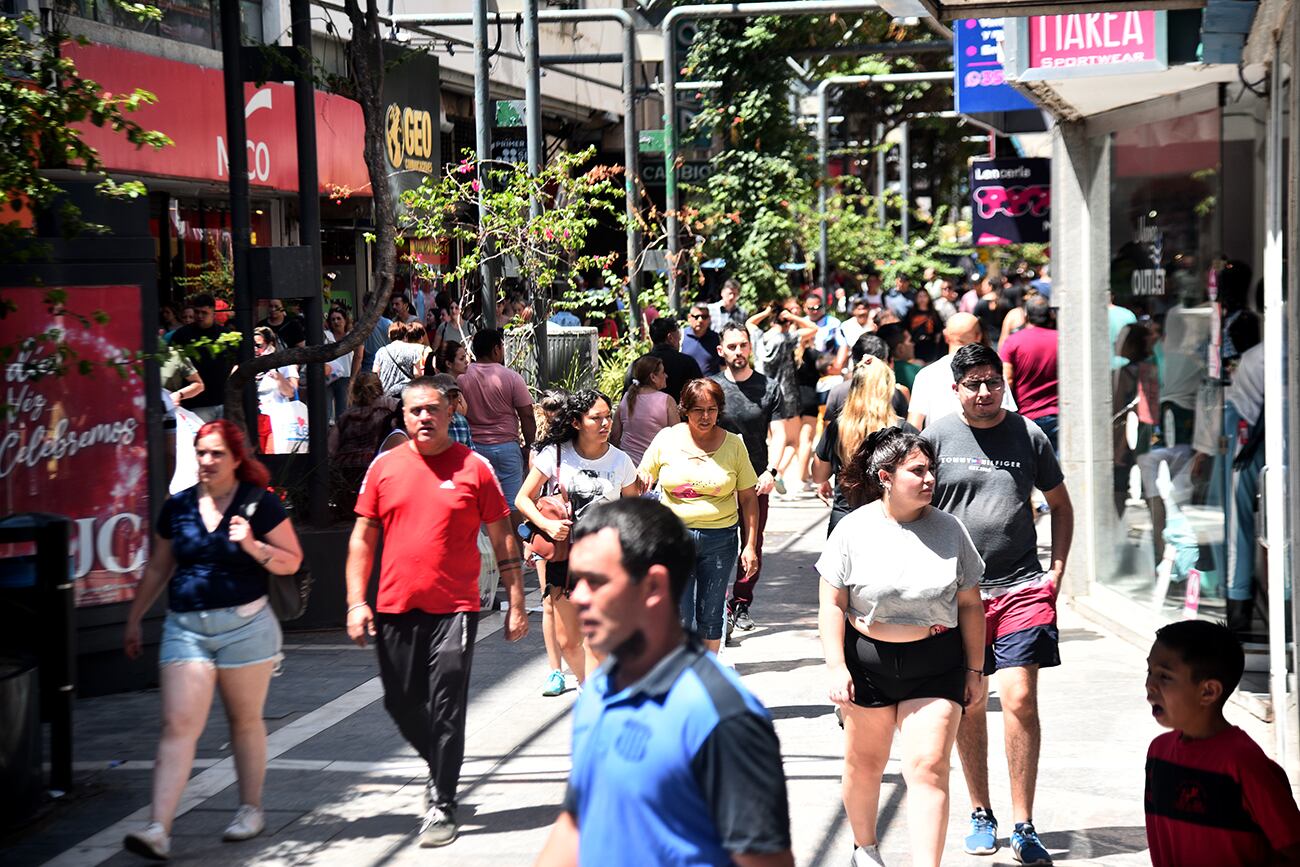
(887, 672)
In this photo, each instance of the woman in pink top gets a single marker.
(644, 409)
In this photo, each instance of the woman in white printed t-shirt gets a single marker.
(277, 385)
(576, 452)
(902, 628)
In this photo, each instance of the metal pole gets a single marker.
(304, 112)
(905, 182)
(1275, 362)
(722, 10)
(823, 161)
(483, 145)
(630, 176)
(533, 126)
(240, 228)
(880, 174)
(671, 203)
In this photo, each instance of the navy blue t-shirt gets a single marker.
(211, 571)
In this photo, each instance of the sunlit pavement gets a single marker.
(344, 789)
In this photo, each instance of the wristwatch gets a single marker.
(771, 471)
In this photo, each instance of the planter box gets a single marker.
(325, 550)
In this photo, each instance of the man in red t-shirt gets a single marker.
(429, 497)
(1029, 367)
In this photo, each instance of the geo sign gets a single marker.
(1088, 43)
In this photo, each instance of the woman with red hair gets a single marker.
(213, 546)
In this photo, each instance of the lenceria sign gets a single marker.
(1011, 201)
(1090, 43)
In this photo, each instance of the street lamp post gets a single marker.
(823, 148)
(713, 11)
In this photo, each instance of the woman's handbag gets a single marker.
(288, 594)
(556, 507)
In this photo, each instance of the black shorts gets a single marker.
(557, 577)
(887, 672)
(808, 404)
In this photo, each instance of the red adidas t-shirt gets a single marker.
(1216, 802)
(431, 508)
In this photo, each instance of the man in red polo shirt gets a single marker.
(429, 497)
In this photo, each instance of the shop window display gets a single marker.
(1172, 491)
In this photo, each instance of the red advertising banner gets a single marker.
(75, 445)
(191, 110)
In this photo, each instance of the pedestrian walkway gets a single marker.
(344, 789)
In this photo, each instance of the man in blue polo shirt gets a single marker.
(674, 762)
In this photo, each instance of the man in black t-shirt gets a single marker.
(213, 367)
(289, 330)
(679, 367)
(751, 402)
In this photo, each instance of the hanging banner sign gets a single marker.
(981, 84)
(1011, 201)
(75, 444)
(1046, 47)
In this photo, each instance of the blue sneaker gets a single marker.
(554, 684)
(1026, 846)
(983, 836)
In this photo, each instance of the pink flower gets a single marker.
(566, 233)
(550, 236)
(474, 185)
(465, 167)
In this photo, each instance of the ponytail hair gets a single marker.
(642, 369)
(250, 469)
(884, 449)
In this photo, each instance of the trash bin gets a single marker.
(22, 778)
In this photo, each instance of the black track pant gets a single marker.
(424, 662)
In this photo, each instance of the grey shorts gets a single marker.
(222, 637)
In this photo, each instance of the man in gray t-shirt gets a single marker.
(990, 460)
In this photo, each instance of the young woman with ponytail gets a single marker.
(902, 628)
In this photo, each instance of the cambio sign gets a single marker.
(259, 152)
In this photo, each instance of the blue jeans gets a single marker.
(1050, 425)
(508, 461)
(337, 397)
(1241, 579)
(705, 593)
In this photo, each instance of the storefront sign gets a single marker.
(1011, 201)
(981, 82)
(190, 109)
(1085, 44)
(654, 172)
(77, 442)
(412, 139)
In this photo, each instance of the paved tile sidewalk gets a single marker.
(344, 789)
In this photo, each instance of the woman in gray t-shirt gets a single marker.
(902, 627)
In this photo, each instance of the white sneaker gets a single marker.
(867, 856)
(151, 842)
(247, 824)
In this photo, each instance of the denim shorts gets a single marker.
(222, 637)
(705, 594)
(508, 461)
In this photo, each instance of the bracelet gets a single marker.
(978, 671)
(270, 554)
(352, 608)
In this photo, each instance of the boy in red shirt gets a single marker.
(1213, 799)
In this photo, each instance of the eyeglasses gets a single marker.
(275, 308)
(812, 308)
(699, 316)
(974, 385)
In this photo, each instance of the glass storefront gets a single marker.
(1187, 371)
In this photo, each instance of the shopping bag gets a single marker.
(187, 464)
(288, 427)
(489, 576)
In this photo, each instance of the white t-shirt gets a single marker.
(906, 574)
(932, 394)
(341, 367)
(850, 331)
(586, 482)
(1247, 389)
(268, 387)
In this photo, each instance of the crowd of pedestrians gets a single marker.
(643, 520)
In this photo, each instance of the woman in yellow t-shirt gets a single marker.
(708, 482)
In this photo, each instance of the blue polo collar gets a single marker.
(659, 680)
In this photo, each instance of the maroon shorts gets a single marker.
(1020, 629)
